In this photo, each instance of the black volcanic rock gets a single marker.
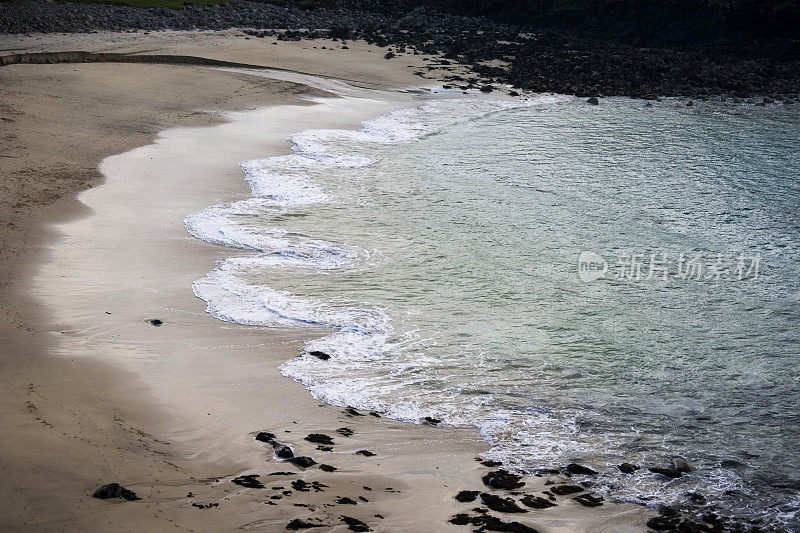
(115, 490)
(575, 468)
(467, 496)
(302, 461)
(502, 479)
(537, 502)
(299, 523)
(628, 468)
(354, 524)
(501, 505)
(249, 481)
(589, 500)
(319, 438)
(562, 490)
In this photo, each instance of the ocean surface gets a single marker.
(592, 284)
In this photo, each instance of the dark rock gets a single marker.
(667, 472)
(373, 413)
(249, 481)
(365, 453)
(301, 486)
(575, 468)
(115, 490)
(352, 412)
(327, 468)
(319, 355)
(156, 322)
(628, 468)
(689, 104)
(593, 100)
(562, 490)
(345, 432)
(501, 505)
(467, 496)
(299, 523)
(345, 501)
(319, 438)
(264, 436)
(302, 461)
(513, 93)
(461, 519)
(486, 89)
(491, 464)
(205, 506)
(490, 523)
(536, 502)
(502, 479)
(432, 421)
(282, 451)
(389, 55)
(662, 523)
(589, 500)
(681, 465)
(354, 524)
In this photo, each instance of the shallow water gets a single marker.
(441, 244)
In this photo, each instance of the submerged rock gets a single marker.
(319, 355)
(115, 490)
(502, 479)
(575, 468)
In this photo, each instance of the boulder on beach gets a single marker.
(467, 496)
(319, 438)
(500, 504)
(299, 523)
(536, 502)
(302, 461)
(502, 479)
(589, 500)
(115, 490)
(249, 481)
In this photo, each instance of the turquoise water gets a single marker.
(441, 246)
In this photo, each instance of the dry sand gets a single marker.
(92, 393)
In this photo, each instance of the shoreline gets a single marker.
(474, 52)
(115, 434)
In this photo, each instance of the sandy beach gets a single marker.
(100, 163)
